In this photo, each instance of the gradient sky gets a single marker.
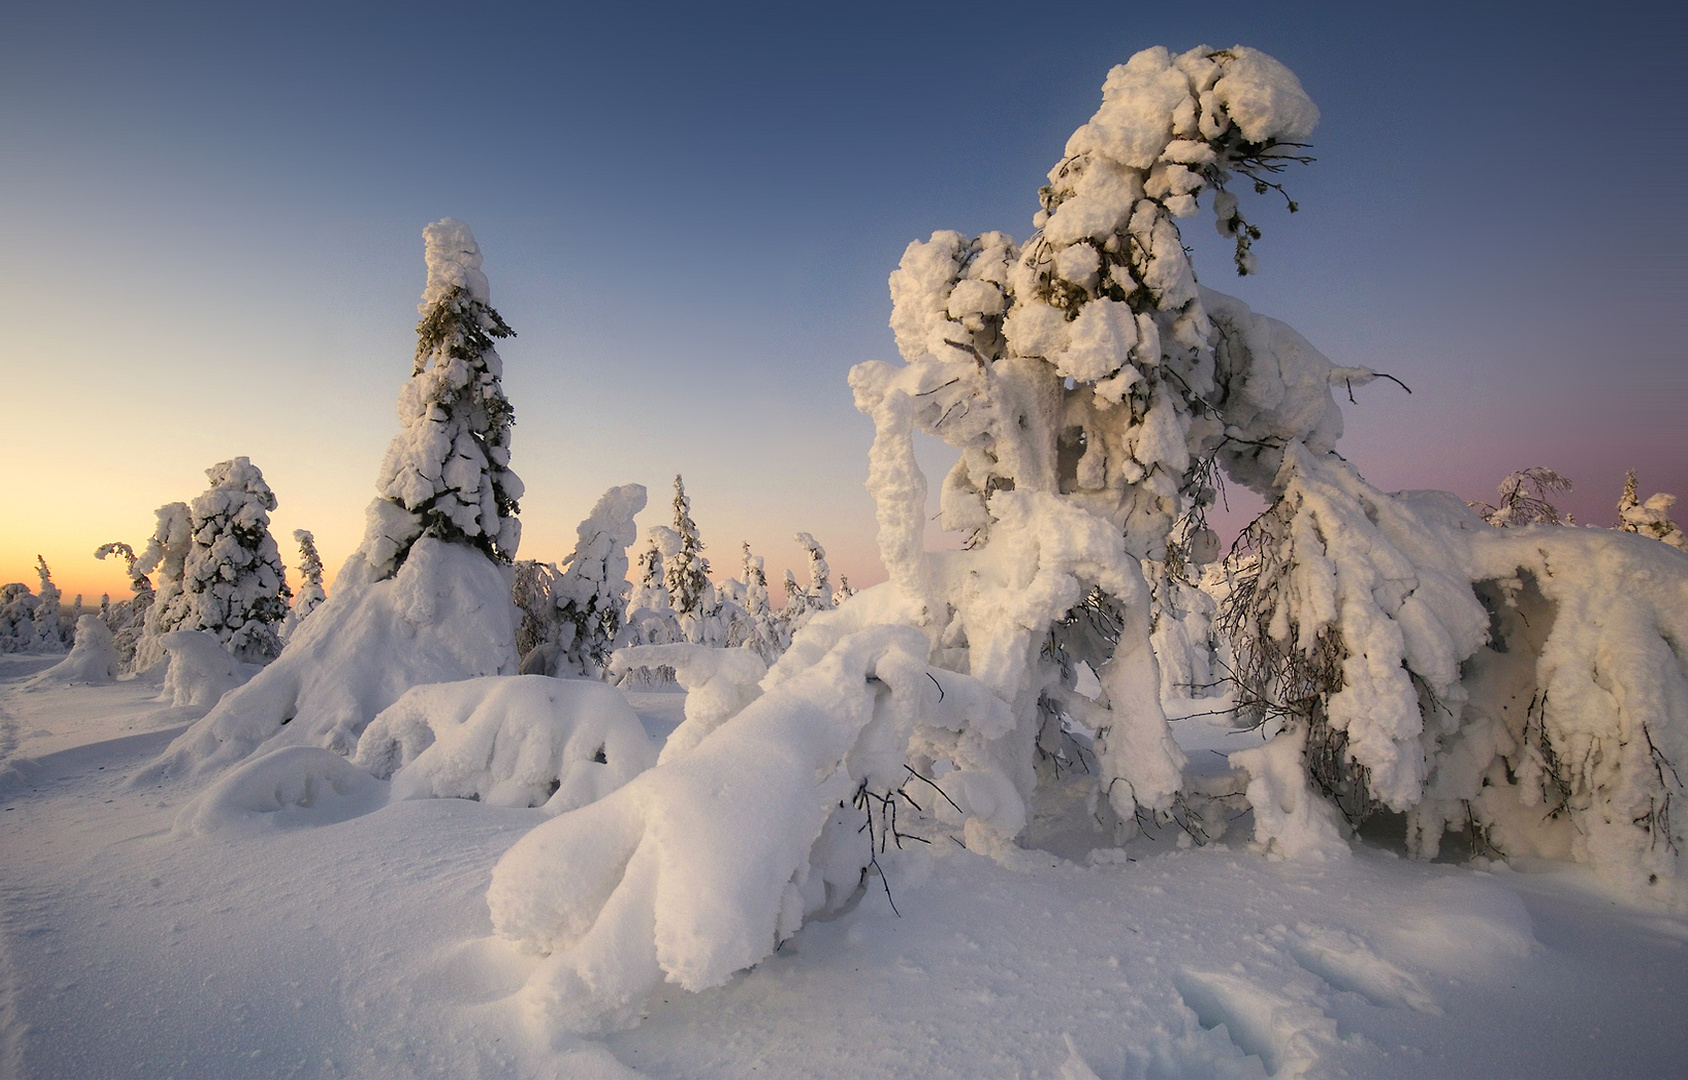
(212, 216)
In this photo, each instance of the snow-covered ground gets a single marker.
(317, 947)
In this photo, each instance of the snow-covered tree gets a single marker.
(17, 617)
(1519, 505)
(757, 626)
(233, 581)
(844, 591)
(447, 474)
(166, 556)
(47, 618)
(590, 595)
(686, 574)
(1650, 518)
(311, 593)
(802, 603)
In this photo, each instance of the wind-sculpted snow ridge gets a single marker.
(701, 866)
(445, 616)
(529, 740)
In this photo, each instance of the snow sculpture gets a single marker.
(529, 740)
(233, 583)
(447, 474)
(409, 607)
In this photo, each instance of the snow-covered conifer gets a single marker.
(1650, 518)
(311, 592)
(232, 577)
(686, 573)
(759, 627)
(165, 555)
(802, 603)
(591, 593)
(47, 616)
(17, 617)
(844, 591)
(127, 620)
(447, 473)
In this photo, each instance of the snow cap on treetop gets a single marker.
(1196, 91)
(454, 262)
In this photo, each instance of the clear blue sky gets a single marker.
(212, 218)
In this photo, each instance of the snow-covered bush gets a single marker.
(523, 741)
(311, 593)
(233, 583)
(201, 671)
(1650, 518)
(93, 658)
(444, 614)
(447, 474)
(1521, 506)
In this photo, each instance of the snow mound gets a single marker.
(1281, 1028)
(293, 787)
(701, 866)
(201, 671)
(444, 617)
(521, 740)
(718, 684)
(1289, 819)
(93, 658)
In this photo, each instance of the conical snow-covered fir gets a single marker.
(686, 571)
(232, 578)
(591, 593)
(311, 592)
(447, 474)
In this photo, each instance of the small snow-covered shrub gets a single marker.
(1650, 518)
(526, 740)
(93, 658)
(1521, 506)
(201, 671)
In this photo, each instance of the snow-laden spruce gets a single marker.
(233, 583)
(421, 600)
(311, 593)
(583, 605)
(447, 474)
